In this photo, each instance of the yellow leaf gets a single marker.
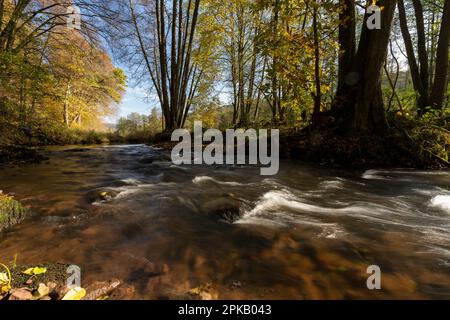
(4, 279)
(75, 294)
(28, 272)
(195, 291)
(35, 271)
(5, 289)
(42, 290)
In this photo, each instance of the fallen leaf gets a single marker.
(4, 289)
(35, 271)
(5, 282)
(21, 294)
(42, 291)
(205, 296)
(4, 279)
(195, 291)
(75, 294)
(51, 286)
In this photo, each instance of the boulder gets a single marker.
(101, 195)
(224, 209)
(11, 212)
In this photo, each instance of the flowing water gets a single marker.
(307, 233)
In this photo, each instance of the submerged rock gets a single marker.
(11, 212)
(97, 196)
(224, 209)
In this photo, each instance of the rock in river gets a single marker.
(11, 212)
(96, 196)
(225, 209)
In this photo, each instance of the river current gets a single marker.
(309, 232)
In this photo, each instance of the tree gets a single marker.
(364, 104)
(52, 74)
(243, 64)
(169, 54)
(430, 94)
(442, 61)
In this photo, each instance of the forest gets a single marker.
(285, 64)
(358, 89)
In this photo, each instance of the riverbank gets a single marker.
(48, 281)
(407, 144)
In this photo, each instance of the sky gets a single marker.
(135, 100)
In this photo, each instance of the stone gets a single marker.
(224, 209)
(21, 294)
(11, 212)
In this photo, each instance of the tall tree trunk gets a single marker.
(66, 105)
(2, 8)
(369, 115)
(420, 82)
(318, 93)
(347, 43)
(275, 84)
(365, 112)
(160, 14)
(423, 55)
(442, 63)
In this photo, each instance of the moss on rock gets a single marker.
(11, 212)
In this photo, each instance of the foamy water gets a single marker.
(441, 202)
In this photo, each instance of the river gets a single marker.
(307, 233)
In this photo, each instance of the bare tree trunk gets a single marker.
(423, 55)
(66, 105)
(317, 81)
(363, 96)
(419, 76)
(442, 63)
(161, 32)
(2, 8)
(347, 42)
(275, 85)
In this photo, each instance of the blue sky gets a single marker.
(135, 100)
(140, 99)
